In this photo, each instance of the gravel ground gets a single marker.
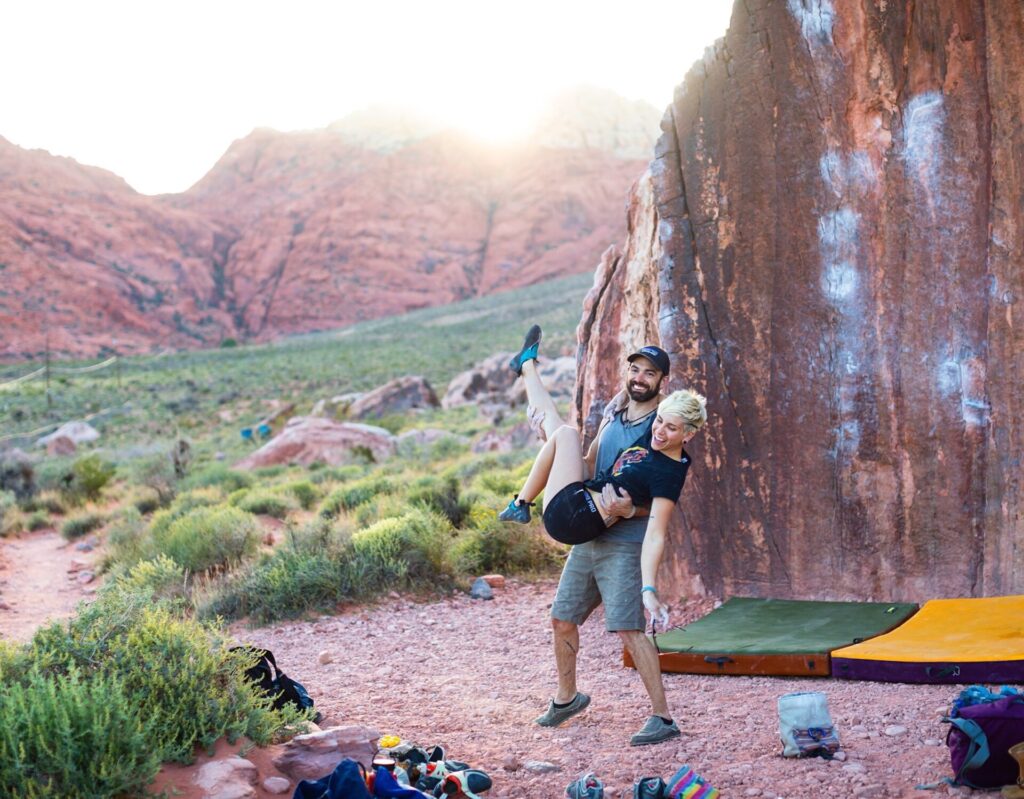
(471, 675)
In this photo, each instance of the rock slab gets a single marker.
(312, 439)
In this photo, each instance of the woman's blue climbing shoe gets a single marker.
(531, 345)
(516, 512)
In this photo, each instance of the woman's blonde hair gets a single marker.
(688, 405)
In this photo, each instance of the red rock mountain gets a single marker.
(829, 244)
(293, 232)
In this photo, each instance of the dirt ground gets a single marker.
(472, 674)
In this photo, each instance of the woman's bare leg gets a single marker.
(537, 396)
(559, 463)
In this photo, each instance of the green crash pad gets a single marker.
(774, 636)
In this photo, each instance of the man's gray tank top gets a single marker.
(616, 437)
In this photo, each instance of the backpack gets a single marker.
(984, 726)
(275, 683)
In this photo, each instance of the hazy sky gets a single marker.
(156, 91)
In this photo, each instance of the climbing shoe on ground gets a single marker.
(555, 715)
(529, 351)
(654, 732)
(467, 783)
(649, 788)
(516, 512)
(588, 786)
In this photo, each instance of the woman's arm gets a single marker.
(650, 556)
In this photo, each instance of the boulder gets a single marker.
(488, 381)
(397, 396)
(60, 446)
(231, 778)
(17, 473)
(338, 406)
(558, 376)
(309, 439)
(820, 254)
(427, 437)
(496, 441)
(311, 756)
(78, 432)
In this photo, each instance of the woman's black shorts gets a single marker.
(572, 516)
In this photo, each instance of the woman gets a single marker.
(653, 470)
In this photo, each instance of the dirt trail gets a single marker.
(41, 578)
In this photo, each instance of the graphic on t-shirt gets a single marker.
(629, 456)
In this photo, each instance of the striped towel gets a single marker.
(687, 785)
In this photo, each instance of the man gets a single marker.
(607, 569)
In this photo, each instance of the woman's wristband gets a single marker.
(650, 588)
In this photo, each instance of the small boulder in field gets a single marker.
(60, 446)
(494, 441)
(488, 381)
(311, 756)
(308, 439)
(481, 590)
(231, 778)
(78, 432)
(400, 395)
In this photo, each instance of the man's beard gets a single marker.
(639, 395)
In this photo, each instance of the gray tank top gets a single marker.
(615, 437)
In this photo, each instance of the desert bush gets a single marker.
(147, 500)
(183, 503)
(411, 550)
(269, 472)
(439, 494)
(90, 474)
(177, 673)
(356, 493)
(337, 474)
(305, 493)
(73, 735)
(161, 577)
(499, 481)
(37, 520)
(219, 476)
(497, 547)
(81, 524)
(155, 472)
(267, 503)
(208, 538)
(127, 542)
(49, 501)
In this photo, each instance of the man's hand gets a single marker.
(615, 504)
(535, 417)
(657, 609)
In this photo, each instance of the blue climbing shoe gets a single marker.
(529, 351)
(516, 512)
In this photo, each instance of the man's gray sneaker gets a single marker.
(654, 732)
(556, 715)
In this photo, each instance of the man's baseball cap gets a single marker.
(655, 355)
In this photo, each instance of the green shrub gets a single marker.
(183, 503)
(501, 482)
(90, 474)
(49, 501)
(410, 550)
(268, 472)
(493, 546)
(220, 476)
(338, 474)
(81, 524)
(208, 538)
(37, 520)
(160, 577)
(349, 496)
(156, 473)
(147, 500)
(126, 537)
(267, 503)
(10, 516)
(439, 494)
(73, 735)
(177, 673)
(305, 493)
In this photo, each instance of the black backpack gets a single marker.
(275, 683)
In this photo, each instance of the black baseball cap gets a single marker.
(655, 355)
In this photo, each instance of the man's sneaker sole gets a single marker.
(559, 715)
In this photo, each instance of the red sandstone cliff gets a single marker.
(829, 244)
(293, 232)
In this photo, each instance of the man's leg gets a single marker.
(567, 645)
(645, 657)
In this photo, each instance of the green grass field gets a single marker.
(147, 399)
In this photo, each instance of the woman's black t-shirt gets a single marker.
(645, 473)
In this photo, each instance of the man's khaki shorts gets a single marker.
(602, 571)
